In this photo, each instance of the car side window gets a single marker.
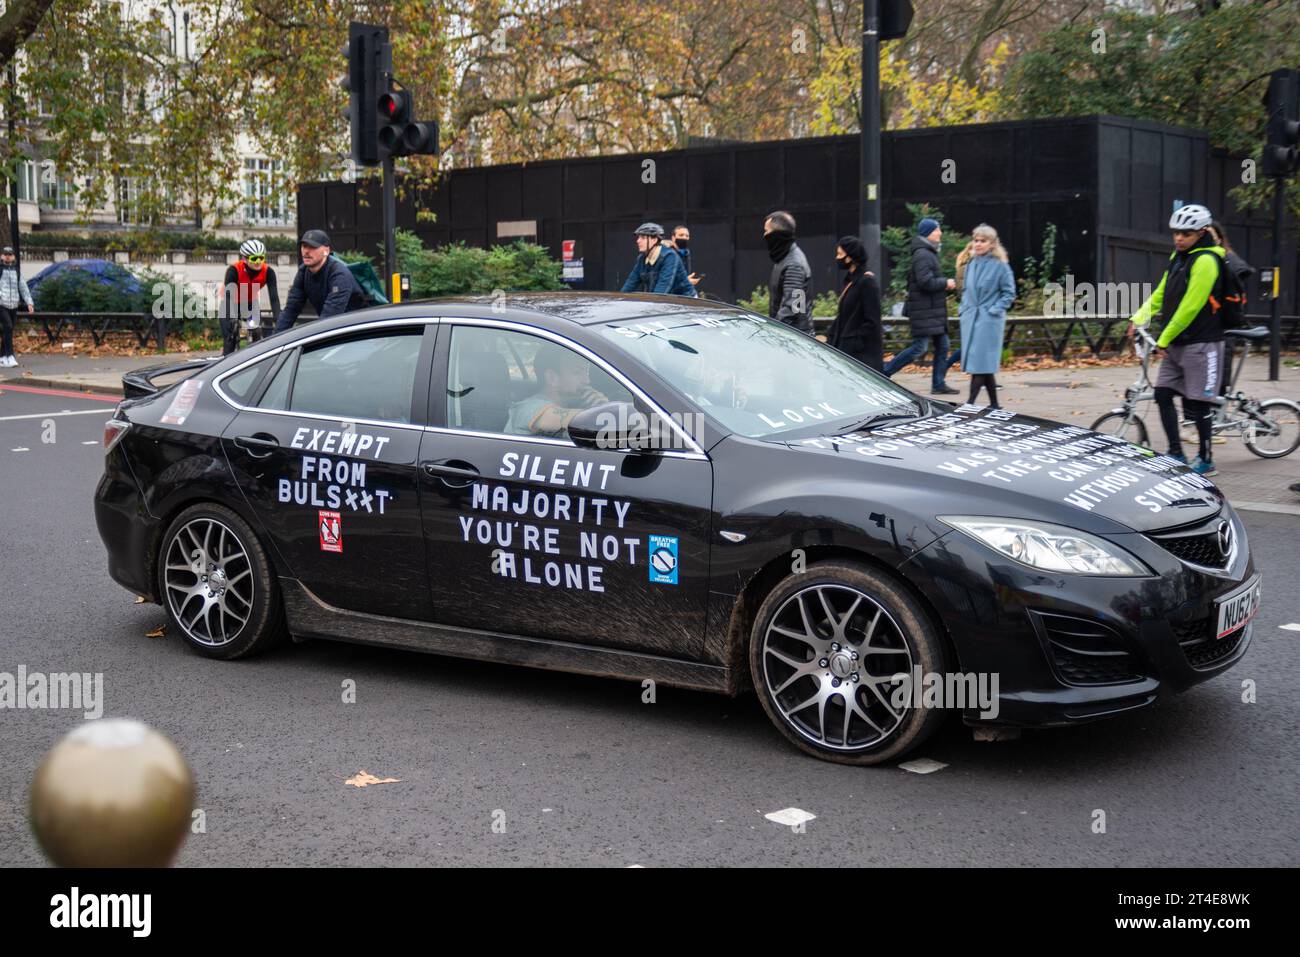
(243, 383)
(358, 377)
(514, 383)
(276, 395)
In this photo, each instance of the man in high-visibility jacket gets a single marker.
(1187, 300)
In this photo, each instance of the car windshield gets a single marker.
(758, 377)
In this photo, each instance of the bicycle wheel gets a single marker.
(1276, 429)
(1128, 425)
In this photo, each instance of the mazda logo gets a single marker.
(1225, 539)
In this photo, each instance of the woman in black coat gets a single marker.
(857, 329)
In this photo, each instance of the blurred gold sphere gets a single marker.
(112, 793)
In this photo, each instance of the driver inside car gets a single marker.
(565, 380)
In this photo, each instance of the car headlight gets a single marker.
(1053, 548)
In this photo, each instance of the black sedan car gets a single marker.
(677, 491)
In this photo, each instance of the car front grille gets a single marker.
(1200, 646)
(1086, 652)
(1199, 545)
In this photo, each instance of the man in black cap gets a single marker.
(322, 280)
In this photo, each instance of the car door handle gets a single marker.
(259, 446)
(445, 470)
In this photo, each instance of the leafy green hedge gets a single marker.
(151, 241)
(458, 270)
(117, 290)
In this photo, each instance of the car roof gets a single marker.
(581, 308)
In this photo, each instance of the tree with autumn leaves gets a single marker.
(103, 96)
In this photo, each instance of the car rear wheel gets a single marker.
(216, 583)
(824, 650)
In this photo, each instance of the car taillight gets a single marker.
(114, 429)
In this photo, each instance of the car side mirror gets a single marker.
(613, 426)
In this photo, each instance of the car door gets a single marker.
(325, 454)
(527, 533)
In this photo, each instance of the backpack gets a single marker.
(1230, 303)
(364, 273)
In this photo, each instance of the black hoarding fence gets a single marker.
(1108, 184)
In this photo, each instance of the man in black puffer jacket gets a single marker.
(927, 307)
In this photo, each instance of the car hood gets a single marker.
(979, 460)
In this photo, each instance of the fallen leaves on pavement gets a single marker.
(364, 779)
(158, 632)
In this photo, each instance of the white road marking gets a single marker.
(790, 817)
(1290, 627)
(106, 413)
(923, 766)
(91, 442)
(20, 449)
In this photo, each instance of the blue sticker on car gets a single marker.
(663, 559)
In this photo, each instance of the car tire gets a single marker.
(217, 585)
(837, 632)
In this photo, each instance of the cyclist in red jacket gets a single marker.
(241, 295)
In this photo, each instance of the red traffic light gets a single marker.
(395, 107)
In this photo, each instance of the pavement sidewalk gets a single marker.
(1076, 396)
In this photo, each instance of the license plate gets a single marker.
(1236, 610)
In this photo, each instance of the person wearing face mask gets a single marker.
(658, 268)
(790, 288)
(857, 329)
(681, 241)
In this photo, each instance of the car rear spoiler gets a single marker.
(140, 382)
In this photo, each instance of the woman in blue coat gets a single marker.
(988, 290)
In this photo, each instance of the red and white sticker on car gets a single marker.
(182, 403)
(331, 532)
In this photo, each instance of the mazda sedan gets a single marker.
(672, 490)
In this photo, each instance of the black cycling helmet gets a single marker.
(650, 229)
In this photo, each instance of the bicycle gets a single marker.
(1255, 422)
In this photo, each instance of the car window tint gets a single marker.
(370, 377)
(519, 384)
(240, 385)
(276, 395)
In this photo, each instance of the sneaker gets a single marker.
(1204, 467)
(1177, 457)
(8, 362)
(943, 390)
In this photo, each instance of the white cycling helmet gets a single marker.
(252, 247)
(1190, 216)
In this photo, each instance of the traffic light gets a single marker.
(368, 66)
(1282, 151)
(399, 133)
(381, 110)
(895, 18)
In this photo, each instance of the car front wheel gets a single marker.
(825, 650)
(216, 583)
